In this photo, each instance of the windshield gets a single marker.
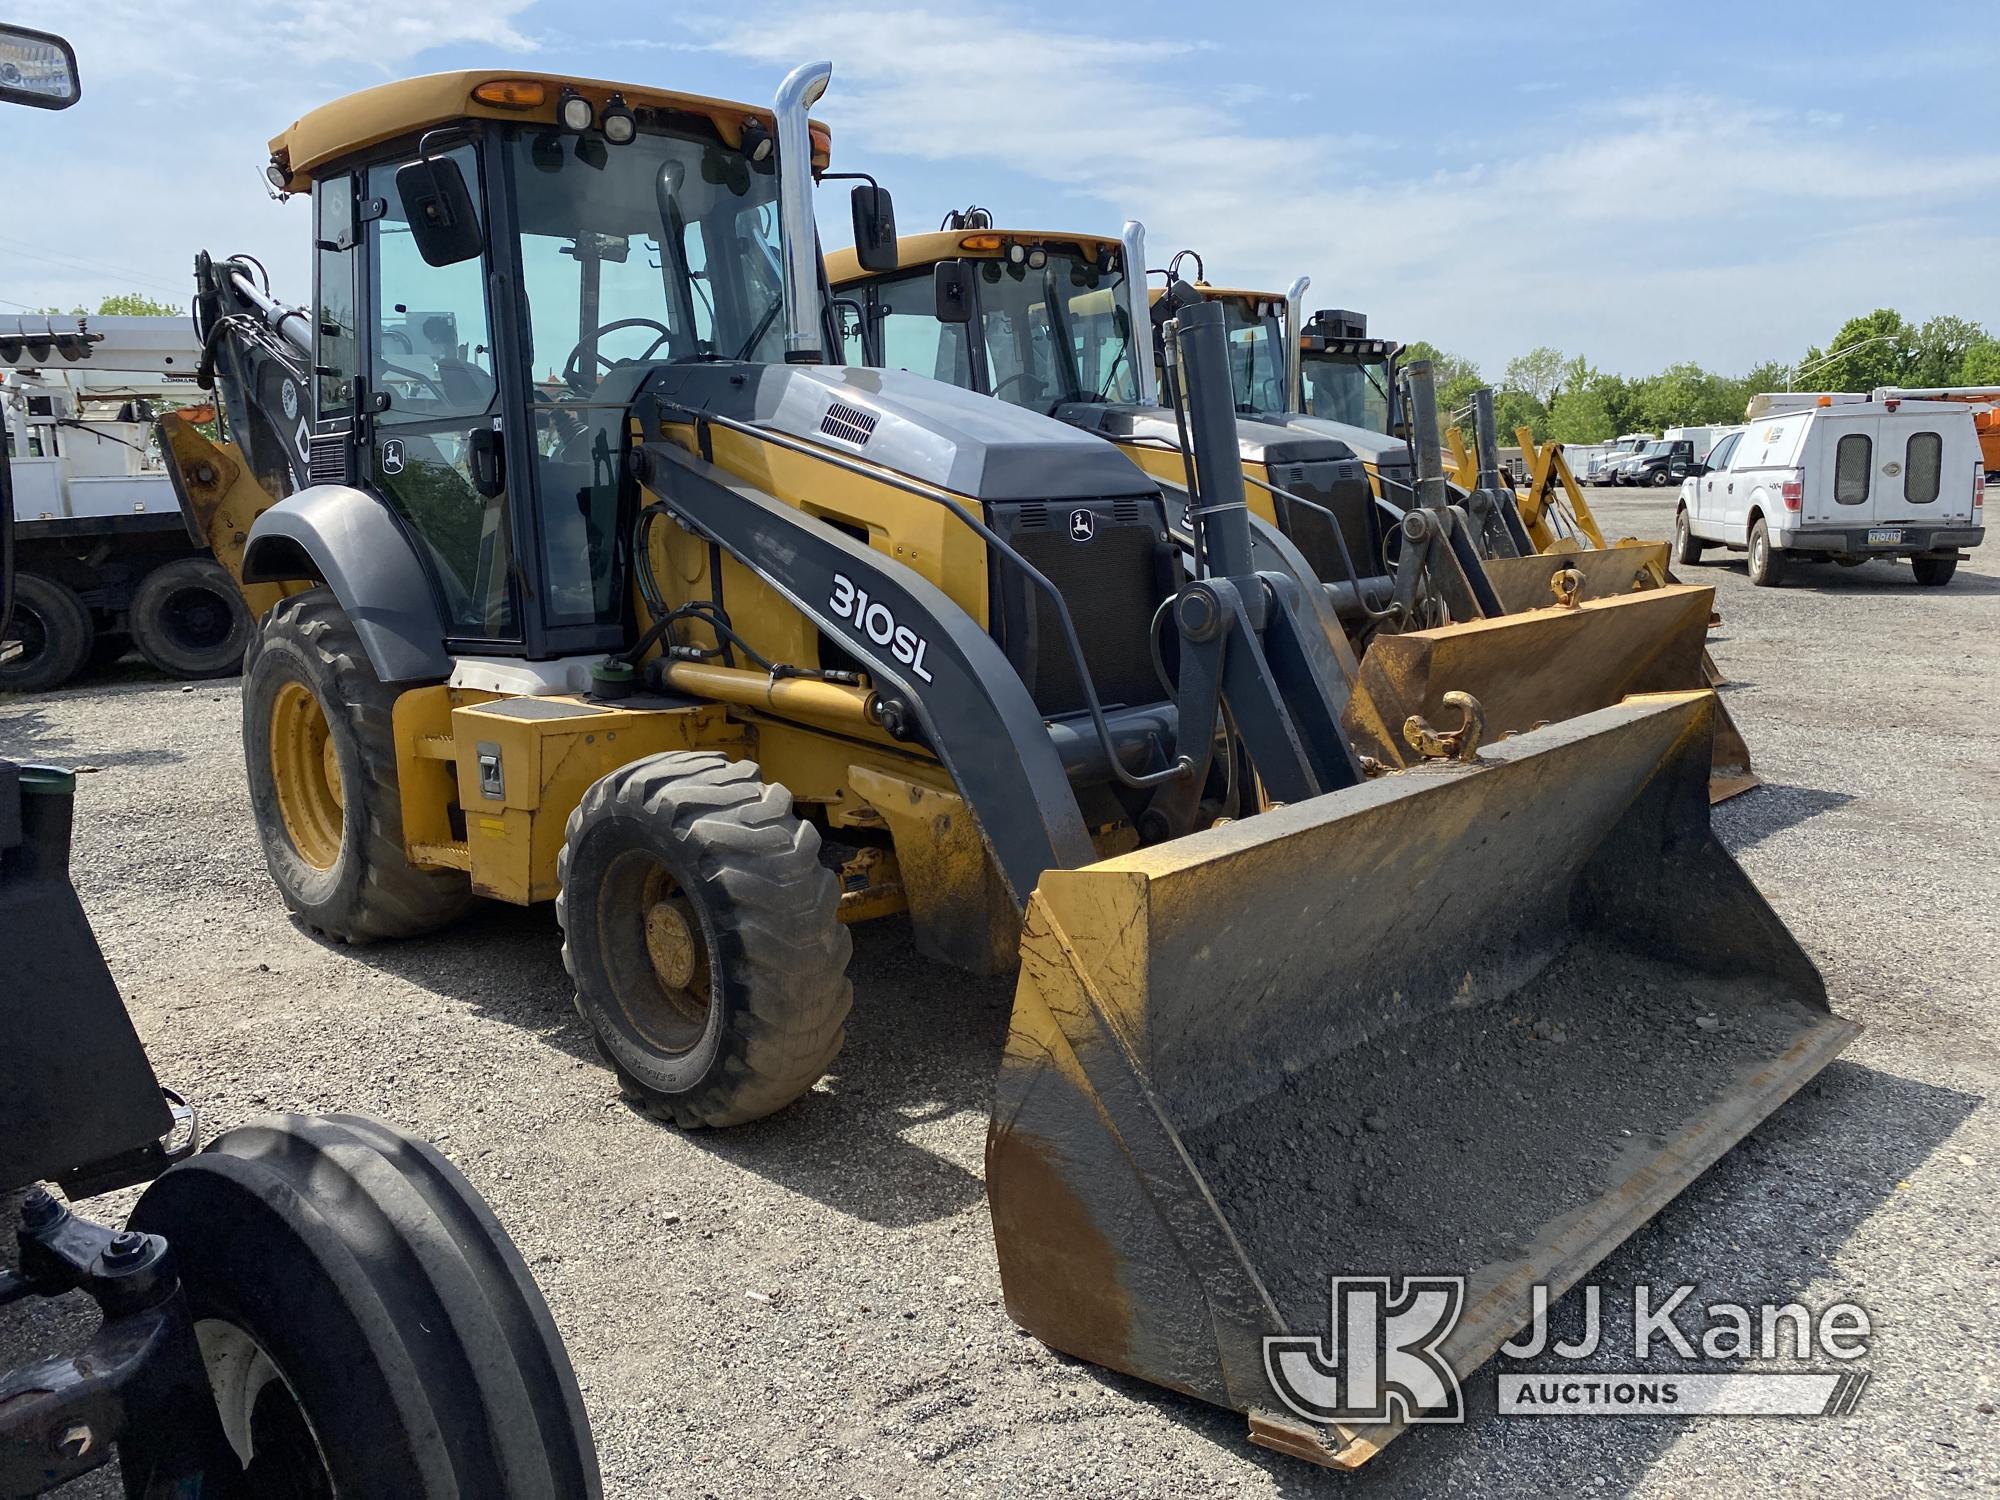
(664, 249)
(1256, 354)
(1050, 333)
(1343, 386)
(1656, 450)
(1055, 332)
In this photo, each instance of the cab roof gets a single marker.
(912, 250)
(352, 124)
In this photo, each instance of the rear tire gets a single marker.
(703, 935)
(1934, 572)
(1660, 479)
(1687, 551)
(54, 626)
(368, 1327)
(322, 766)
(1767, 567)
(189, 620)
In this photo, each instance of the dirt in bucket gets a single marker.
(1448, 1145)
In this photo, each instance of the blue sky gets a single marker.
(1638, 183)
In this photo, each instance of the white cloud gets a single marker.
(165, 153)
(1639, 230)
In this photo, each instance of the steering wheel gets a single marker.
(572, 371)
(416, 375)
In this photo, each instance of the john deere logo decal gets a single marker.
(1082, 526)
(392, 456)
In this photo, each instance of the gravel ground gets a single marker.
(812, 1302)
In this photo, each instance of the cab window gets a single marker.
(1726, 450)
(911, 337)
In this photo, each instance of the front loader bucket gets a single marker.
(1479, 1021)
(1542, 666)
(1523, 582)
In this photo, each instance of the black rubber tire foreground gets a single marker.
(372, 891)
(1934, 572)
(57, 629)
(391, 1302)
(188, 619)
(775, 951)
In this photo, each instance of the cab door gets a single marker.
(435, 414)
(1711, 488)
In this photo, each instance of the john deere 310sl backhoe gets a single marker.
(601, 585)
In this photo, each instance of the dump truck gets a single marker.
(611, 587)
(1051, 322)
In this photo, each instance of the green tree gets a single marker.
(1514, 409)
(136, 305)
(1579, 415)
(1868, 351)
(1938, 350)
(120, 305)
(1981, 365)
(1456, 376)
(1538, 373)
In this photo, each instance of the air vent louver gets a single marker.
(848, 423)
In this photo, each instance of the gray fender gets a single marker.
(347, 539)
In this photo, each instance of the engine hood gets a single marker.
(1377, 448)
(938, 434)
(1259, 442)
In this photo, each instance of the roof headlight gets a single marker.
(575, 112)
(618, 123)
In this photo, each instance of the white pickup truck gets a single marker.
(1840, 483)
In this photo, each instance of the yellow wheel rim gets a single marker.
(306, 772)
(670, 1012)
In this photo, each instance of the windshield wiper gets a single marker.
(757, 333)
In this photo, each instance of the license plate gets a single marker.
(1885, 534)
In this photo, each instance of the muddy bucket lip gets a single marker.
(1585, 1237)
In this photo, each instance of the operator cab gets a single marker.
(525, 244)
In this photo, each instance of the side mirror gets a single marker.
(953, 280)
(443, 222)
(874, 228)
(38, 69)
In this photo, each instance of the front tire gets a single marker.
(1661, 479)
(703, 935)
(1767, 567)
(55, 631)
(189, 620)
(1687, 551)
(322, 767)
(1934, 572)
(367, 1326)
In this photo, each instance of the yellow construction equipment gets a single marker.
(615, 591)
(1350, 384)
(1432, 597)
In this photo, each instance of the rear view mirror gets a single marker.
(443, 222)
(874, 228)
(954, 291)
(37, 68)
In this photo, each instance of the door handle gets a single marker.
(486, 461)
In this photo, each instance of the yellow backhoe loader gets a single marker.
(600, 584)
(1434, 597)
(1349, 384)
